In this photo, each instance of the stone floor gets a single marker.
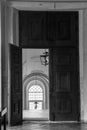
(36, 114)
(46, 125)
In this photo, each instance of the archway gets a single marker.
(36, 92)
(36, 97)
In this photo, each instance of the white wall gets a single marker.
(81, 63)
(84, 90)
(31, 61)
(6, 36)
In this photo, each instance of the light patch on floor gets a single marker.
(36, 114)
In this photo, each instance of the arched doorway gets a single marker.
(36, 95)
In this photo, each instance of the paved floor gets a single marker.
(36, 114)
(43, 125)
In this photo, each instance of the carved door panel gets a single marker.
(15, 85)
(48, 28)
(62, 28)
(32, 28)
(64, 85)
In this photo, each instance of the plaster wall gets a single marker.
(81, 64)
(31, 62)
(6, 37)
(84, 88)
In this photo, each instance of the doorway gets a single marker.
(35, 78)
(57, 31)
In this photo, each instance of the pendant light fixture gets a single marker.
(44, 58)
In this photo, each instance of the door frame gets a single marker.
(51, 66)
(42, 75)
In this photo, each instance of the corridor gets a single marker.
(43, 125)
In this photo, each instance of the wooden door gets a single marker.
(32, 29)
(59, 31)
(64, 84)
(15, 85)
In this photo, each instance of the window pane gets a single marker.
(35, 88)
(35, 93)
(35, 96)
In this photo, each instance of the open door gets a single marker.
(64, 84)
(15, 105)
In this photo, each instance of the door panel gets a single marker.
(48, 28)
(32, 28)
(15, 85)
(64, 87)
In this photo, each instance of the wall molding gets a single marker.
(49, 0)
(48, 5)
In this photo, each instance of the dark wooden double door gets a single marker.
(57, 31)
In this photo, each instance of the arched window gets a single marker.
(35, 97)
